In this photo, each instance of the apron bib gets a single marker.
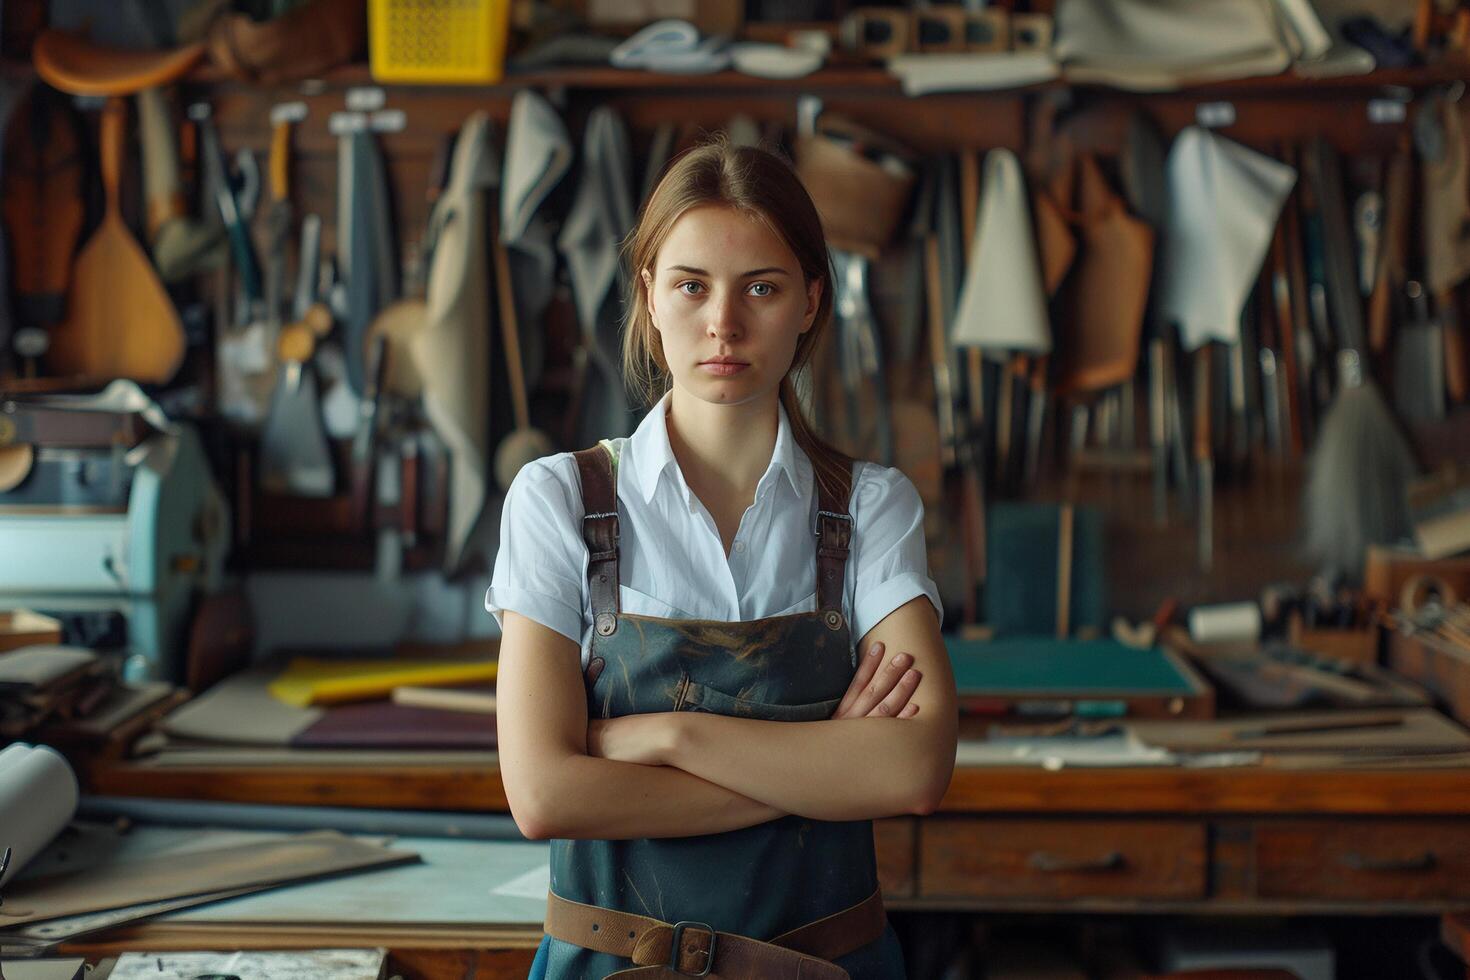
(758, 881)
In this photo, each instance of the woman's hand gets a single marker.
(881, 693)
(640, 739)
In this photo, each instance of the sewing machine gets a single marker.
(110, 521)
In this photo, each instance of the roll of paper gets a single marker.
(38, 797)
(1225, 623)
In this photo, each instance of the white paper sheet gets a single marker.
(38, 795)
(317, 964)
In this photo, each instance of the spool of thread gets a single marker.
(1419, 590)
(987, 30)
(937, 29)
(1228, 622)
(1031, 32)
(876, 32)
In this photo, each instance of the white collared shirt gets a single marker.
(672, 563)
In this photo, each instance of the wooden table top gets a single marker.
(996, 790)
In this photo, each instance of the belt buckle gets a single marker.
(709, 960)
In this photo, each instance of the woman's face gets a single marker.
(729, 302)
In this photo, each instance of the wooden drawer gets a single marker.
(974, 857)
(1363, 860)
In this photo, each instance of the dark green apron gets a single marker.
(759, 881)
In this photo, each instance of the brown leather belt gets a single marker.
(661, 949)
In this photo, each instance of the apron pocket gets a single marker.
(698, 697)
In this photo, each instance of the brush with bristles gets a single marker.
(1361, 463)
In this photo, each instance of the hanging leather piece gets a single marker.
(1103, 303)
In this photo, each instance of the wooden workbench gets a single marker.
(1236, 840)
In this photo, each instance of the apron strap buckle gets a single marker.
(709, 955)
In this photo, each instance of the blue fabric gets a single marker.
(538, 965)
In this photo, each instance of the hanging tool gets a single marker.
(1419, 375)
(1269, 376)
(1311, 376)
(972, 432)
(120, 323)
(974, 361)
(402, 320)
(860, 352)
(525, 443)
(364, 443)
(246, 345)
(182, 245)
(1288, 403)
(1445, 156)
(1389, 273)
(278, 217)
(939, 353)
(364, 235)
(972, 508)
(1204, 457)
(295, 456)
(44, 209)
(1158, 428)
(308, 266)
(1361, 463)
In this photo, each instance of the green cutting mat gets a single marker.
(1045, 665)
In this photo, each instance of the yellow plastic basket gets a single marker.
(438, 41)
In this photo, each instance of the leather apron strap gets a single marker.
(600, 531)
(834, 540)
(662, 949)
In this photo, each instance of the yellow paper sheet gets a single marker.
(308, 680)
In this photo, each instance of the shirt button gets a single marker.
(740, 546)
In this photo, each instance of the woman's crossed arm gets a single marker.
(841, 769)
(558, 783)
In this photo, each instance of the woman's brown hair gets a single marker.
(758, 183)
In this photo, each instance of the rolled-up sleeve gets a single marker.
(891, 563)
(541, 563)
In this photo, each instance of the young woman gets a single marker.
(690, 702)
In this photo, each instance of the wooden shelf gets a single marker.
(872, 79)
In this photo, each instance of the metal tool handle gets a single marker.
(280, 170)
(308, 262)
(1051, 863)
(1425, 861)
(230, 210)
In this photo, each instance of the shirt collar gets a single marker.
(653, 455)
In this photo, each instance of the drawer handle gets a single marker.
(1423, 862)
(1042, 861)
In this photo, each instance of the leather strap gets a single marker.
(600, 531)
(804, 953)
(834, 538)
